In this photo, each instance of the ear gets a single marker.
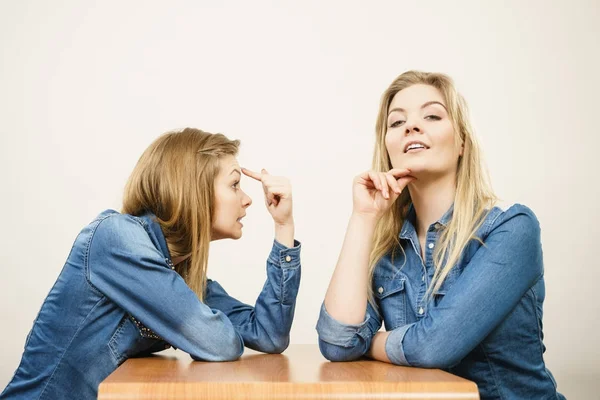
(462, 149)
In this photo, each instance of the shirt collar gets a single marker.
(156, 233)
(410, 221)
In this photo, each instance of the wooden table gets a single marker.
(299, 373)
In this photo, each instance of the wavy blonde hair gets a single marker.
(474, 195)
(174, 179)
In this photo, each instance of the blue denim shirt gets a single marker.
(485, 322)
(118, 296)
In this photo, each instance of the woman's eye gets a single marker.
(433, 117)
(396, 123)
(236, 185)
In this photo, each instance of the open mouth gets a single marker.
(415, 146)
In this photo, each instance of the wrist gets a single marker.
(284, 234)
(289, 223)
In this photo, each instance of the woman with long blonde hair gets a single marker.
(457, 280)
(136, 282)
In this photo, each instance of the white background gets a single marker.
(86, 86)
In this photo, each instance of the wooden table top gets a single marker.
(300, 372)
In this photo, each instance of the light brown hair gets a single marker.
(174, 179)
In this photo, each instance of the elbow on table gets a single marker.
(275, 344)
(225, 348)
(337, 353)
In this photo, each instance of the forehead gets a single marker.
(227, 164)
(415, 96)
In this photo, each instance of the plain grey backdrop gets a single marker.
(86, 86)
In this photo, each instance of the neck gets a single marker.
(431, 198)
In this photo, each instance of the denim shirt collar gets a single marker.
(156, 234)
(410, 222)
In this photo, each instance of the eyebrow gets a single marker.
(422, 107)
(235, 170)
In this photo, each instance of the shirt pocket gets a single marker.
(390, 295)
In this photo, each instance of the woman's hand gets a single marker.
(374, 192)
(278, 199)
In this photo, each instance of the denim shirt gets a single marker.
(484, 323)
(118, 296)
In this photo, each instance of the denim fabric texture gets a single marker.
(485, 322)
(118, 296)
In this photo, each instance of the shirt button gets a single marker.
(437, 225)
(421, 311)
(288, 258)
(380, 290)
(430, 245)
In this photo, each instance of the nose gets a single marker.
(411, 127)
(246, 201)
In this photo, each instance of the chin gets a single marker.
(235, 235)
(419, 163)
(227, 235)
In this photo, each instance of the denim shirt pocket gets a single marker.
(390, 295)
(128, 340)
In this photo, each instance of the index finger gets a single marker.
(399, 172)
(252, 174)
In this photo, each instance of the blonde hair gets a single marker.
(174, 179)
(474, 195)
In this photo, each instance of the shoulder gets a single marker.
(516, 219)
(114, 230)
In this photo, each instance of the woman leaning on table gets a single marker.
(135, 282)
(457, 280)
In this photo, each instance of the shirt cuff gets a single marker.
(285, 257)
(393, 345)
(334, 332)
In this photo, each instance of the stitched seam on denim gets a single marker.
(86, 258)
(389, 293)
(347, 344)
(424, 271)
(539, 334)
(402, 290)
(111, 347)
(494, 375)
(365, 325)
(67, 348)
(141, 221)
(422, 265)
(283, 287)
(493, 220)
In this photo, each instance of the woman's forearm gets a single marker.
(346, 298)
(284, 234)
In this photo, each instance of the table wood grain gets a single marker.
(300, 372)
